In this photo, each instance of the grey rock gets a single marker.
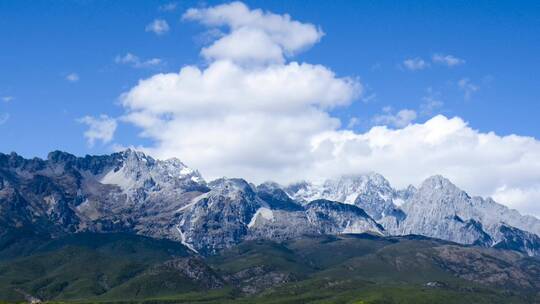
(134, 193)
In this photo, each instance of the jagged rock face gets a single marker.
(332, 218)
(279, 224)
(518, 240)
(276, 197)
(30, 197)
(139, 172)
(344, 189)
(318, 217)
(371, 192)
(437, 209)
(124, 191)
(492, 214)
(148, 191)
(440, 209)
(234, 211)
(132, 192)
(218, 219)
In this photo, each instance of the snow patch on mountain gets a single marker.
(132, 192)
(183, 239)
(440, 209)
(344, 189)
(264, 213)
(138, 170)
(118, 178)
(399, 201)
(371, 192)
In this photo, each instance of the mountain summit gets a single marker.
(132, 192)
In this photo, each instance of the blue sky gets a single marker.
(407, 89)
(44, 41)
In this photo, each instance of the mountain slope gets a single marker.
(125, 191)
(437, 209)
(131, 192)
(442, 210)
(371, 192)
(346, 268)
(234, 211)
(87, 265)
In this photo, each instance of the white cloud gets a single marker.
(136, 62)
(415, 64)
(4, 117)
(73, 77)
(467, 87)
(158, 26)
(100, 128)
(242, 116)
(399, 120)
(448, 60)
(227, 88)
(7, 98)
(236, 118)
(254, 36)
(228, 119)
(479, 162)
(245, 44)
(168, 7)
(526, 199)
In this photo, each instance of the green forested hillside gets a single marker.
(324, 269)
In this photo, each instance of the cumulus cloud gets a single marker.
(227, 88)
(523, 198)
(467, 87)
(238, 121)
(136, 62)
(72, 77)
(100, 128)
(242, 115)
(264, 117)
(399, 120)
(415, 64)
(158, 26)
(505, 167)
(254, 35)
(448, 60)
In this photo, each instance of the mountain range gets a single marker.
(131, 192)
(128, 226)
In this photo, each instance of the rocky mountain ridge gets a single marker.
(131, 192)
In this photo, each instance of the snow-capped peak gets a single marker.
(344, 189)
(438, 182)
(371, 192)
(138, 170)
